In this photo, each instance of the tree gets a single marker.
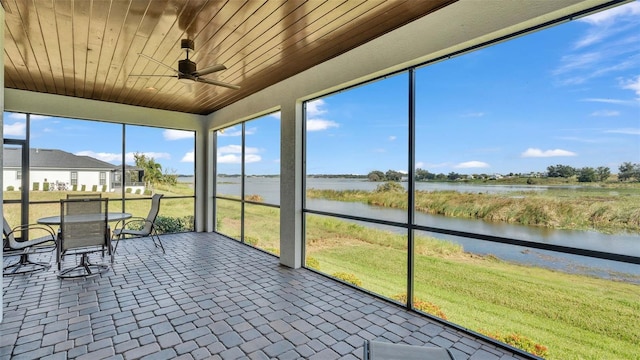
(393, 175)
(629, 171)
(587, 174)
(376, 175)
(453, 176)
(424, 175)
(603, 173)
(152, 170)
(563, 171)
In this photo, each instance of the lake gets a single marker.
(624, 243)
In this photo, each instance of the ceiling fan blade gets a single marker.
(209, 70)
(158, 62)
(218, 83)
(150, 75)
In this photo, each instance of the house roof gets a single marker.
(53, 159)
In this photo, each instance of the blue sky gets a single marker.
(567, 95)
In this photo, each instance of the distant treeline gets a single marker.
(626, 172)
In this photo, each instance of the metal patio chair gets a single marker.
(83, 230)
(377, 350)
(24, 248)
(141, 227)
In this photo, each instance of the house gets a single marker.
(52, 169)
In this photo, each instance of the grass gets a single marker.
(575, 316)
(168, 207)
(605, 209)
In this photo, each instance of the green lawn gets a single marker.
(576, 317)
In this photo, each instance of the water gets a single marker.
(624, 243)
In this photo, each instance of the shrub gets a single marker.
(520, 342)
(147, 192)
(36, 186)
(75, 187)
(138, 191)
(347, 277)
(104, 188)
(424, 306)
(168, 225)
(83, 188)
(390, 186)
(45, 186)
(312, 262)
(10, 188)
(127, 190)
(254, 198)
(94, 188)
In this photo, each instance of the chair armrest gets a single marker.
(46, 228)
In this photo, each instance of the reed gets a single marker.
(605, 210)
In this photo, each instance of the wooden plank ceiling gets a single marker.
(89, 48)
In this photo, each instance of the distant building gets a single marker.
(63, 170)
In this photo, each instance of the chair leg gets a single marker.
(84, 269)
(154, 236)
(24, 262)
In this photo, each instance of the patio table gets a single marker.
(112, 216)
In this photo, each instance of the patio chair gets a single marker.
(24, 248)
(84, 196)
(377, 350)
(83, 230)
(141, 227)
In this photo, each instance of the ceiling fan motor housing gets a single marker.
(186, 67)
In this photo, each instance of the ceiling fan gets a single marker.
(187, 72)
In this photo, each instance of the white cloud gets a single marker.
(602, 23)
(419, 165)
(473, 114)
(392, 137)
(605, 113)
(320, 124)
(538, 153)
(15, 129)
(608, 101)
(232, 154)
(608, 45)
(608, 17)
(116, 158)
(632, 84)
(230, 149)
(108, 157)
(188, 157)
(231, 131)
(171, 134)
(627, 131)
(314, 122)
(229, 159)
(237, 159)
(314, 108)
(472, 164)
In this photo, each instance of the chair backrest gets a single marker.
(84, 206)
(153, 212)
(83, 223)
(84, 196)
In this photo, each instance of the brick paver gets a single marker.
(207, 297)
